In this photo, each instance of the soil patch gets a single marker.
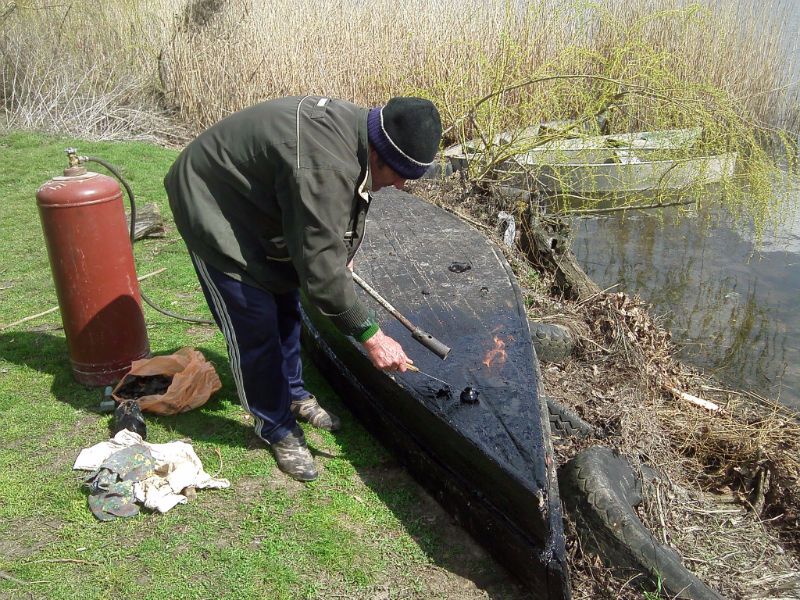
(22, 538)
(462, 569)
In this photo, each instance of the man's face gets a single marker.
(382, 174)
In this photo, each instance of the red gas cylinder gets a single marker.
(92, 263)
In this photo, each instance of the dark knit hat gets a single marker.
(406, 133)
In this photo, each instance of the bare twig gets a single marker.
(7, 577)
(76, 561)
(774, 578)
(661, 514)
(464, 217)
(219, 470)
(55, 308)
(30, 318)
(716, 389)
(598, 211)
(149, 275)
(695, 560)
(762, 487)
(627, 86)
(591, 341)
(593, 296)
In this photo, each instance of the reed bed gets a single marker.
(81, 68)
(160, 70)
(107, 66)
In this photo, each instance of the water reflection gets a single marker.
(732, 307)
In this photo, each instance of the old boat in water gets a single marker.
(535, 146)
(482, 445)
(619, 171)
(601, 164)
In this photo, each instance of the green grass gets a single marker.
(361, 527)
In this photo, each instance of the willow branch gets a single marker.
(628, 87)
(597, 211)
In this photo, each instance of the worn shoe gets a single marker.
(293, 456)
(309, 411)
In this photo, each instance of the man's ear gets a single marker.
(375, 158)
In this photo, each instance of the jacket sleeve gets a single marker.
(316, 206)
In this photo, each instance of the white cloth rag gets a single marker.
(177, 467)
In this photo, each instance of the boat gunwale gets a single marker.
(724, 156)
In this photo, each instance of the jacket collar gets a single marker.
(365, 178)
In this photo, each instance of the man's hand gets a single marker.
(386, 354)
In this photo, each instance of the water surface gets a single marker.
(732, 306)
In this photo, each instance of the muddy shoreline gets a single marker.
(728, 492)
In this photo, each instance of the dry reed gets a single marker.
(84, 69)
(107, 65)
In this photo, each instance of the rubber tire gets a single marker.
(566, 423)
(553, 343)
(599, 489)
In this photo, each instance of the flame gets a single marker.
(497, 353)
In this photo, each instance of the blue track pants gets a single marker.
(262, 331)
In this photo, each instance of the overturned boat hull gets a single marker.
(489, 463)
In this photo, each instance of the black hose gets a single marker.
(132, 203)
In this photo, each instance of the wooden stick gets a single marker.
(30, 318)
(716, 389)
(55, 308)
(693, 399)
(606, 350)
(76, 561)
(219, 455)
(423, 337)
(149, 275)
(762, 487)
(464, 217)
(598, 211)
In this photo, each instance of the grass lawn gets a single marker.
(363, 530)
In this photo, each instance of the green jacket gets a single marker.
(276, 196)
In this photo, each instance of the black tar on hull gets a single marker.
(489, 463)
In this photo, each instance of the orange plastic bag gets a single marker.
(193, 380)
